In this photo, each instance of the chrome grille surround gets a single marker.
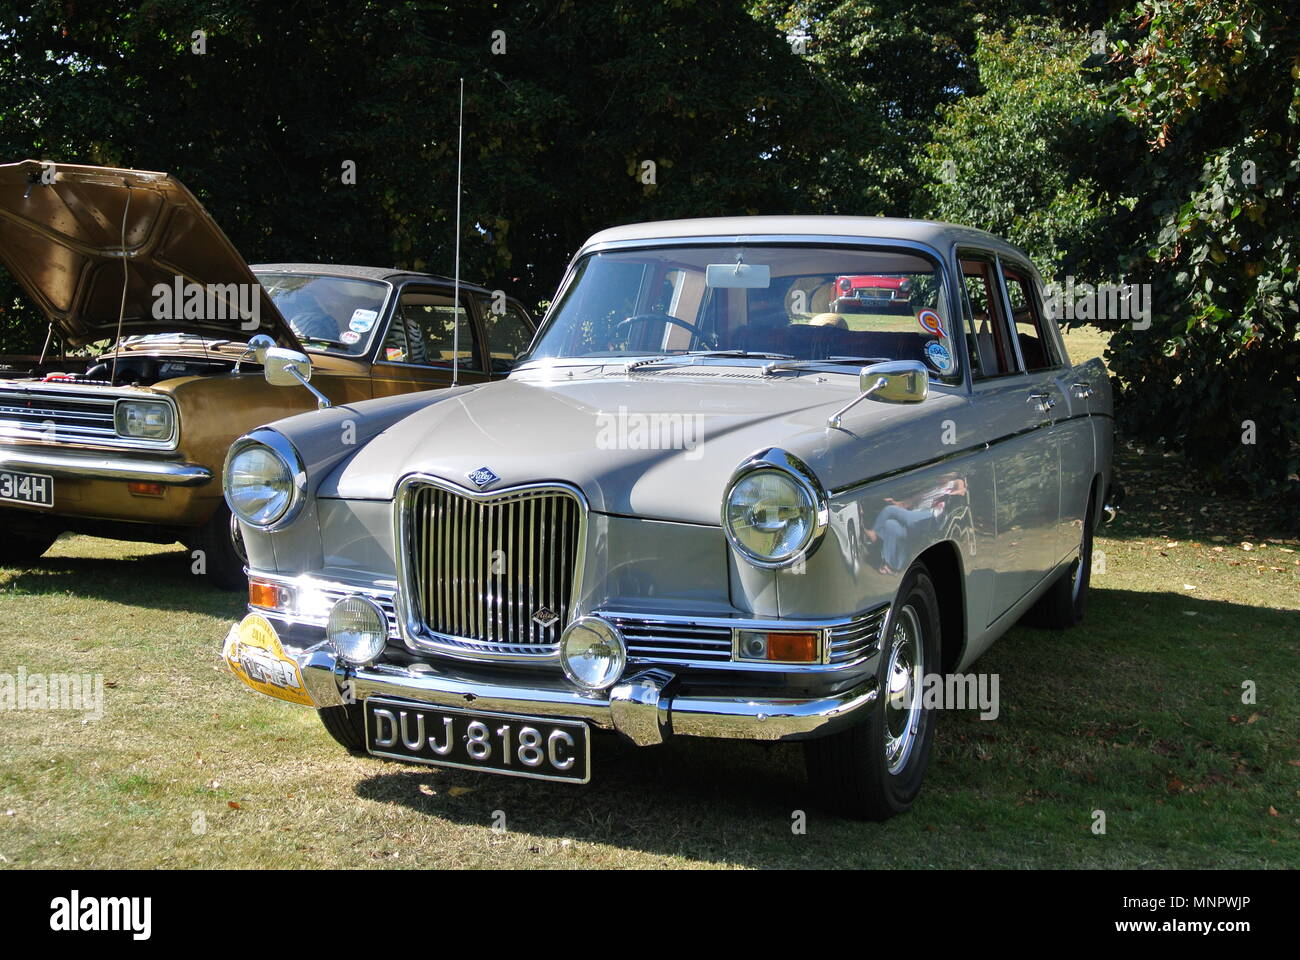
(714, 641)
(451, 601)
(52, 413)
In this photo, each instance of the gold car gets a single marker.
(128, 443)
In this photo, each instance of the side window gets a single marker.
(1036, 345)
(422, 332)
(508, 333)
(986, 335)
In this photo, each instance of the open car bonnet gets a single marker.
(61, 236)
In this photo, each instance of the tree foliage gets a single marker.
(1214, 88)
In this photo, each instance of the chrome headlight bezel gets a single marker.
(288, 456)
(791, 468)
(125, 403)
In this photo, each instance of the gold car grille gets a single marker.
(58, 417)
(493, 576)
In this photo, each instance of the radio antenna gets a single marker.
(455, 305)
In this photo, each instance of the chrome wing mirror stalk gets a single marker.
(895, 381)
(285, 367)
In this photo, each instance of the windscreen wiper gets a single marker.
(772, 368)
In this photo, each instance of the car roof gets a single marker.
(391, 274)
(934, 233)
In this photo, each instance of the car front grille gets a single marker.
(57, 416)
(492, 575)
(859, 637)
(53, 414)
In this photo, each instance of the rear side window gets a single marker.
(987, 338)
(1036, 346)
(423, 332)
(508, 333)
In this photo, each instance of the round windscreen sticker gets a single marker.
(362, 320)
(350, 336)
(939, 356)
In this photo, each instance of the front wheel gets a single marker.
(223, 547)
(874, 769)
(346, 724)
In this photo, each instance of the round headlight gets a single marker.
(592, 653)
(771, 516)
(357, 629)
(260, 482)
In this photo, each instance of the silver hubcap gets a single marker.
(903, 672)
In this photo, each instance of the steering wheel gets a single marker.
(664, 318)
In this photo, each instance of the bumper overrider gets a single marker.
(647, 705)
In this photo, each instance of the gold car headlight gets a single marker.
(144, 419)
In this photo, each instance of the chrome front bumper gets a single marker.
(96, 467)
(642, 707)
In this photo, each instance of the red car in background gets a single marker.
(872, 293)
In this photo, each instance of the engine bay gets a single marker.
(131, 370)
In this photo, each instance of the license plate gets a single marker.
(36, 489)
(537, 747)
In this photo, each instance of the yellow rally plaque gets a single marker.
(254, 655)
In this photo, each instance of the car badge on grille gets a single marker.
(544, 617)
(483, 477)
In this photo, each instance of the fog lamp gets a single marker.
(592, 653)
(357, 629)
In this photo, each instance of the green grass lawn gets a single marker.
(1138, 713)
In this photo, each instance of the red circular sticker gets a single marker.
(930, 323)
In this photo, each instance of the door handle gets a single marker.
(1042, 402)
(1082, 390)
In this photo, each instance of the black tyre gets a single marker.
(223, 548)
(17, 549)
(347, 725)
(1062, 606)
(874, 769)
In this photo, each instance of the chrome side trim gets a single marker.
(414, 632)
(77, 466)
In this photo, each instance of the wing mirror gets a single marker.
(894, 381)
(284, 368)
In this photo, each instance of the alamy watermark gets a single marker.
(953, 691)
(624, 430)
(76, 693)
(1102, 301)
(182, 300)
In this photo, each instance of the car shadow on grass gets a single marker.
(702, 800)
(160, 579)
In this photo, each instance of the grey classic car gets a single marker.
(704, 503)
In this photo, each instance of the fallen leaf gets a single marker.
(1272, 811)
(460, 791)
(233, 806)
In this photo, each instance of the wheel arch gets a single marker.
(943, 560)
